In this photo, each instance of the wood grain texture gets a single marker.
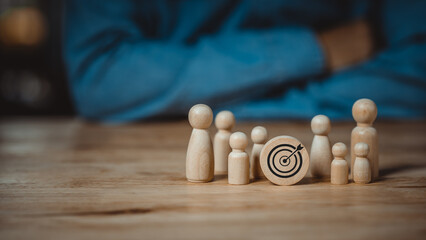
(65, 179)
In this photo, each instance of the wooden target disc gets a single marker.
(284, 160)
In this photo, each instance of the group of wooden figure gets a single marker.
(283, 160)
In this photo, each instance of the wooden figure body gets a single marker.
(339, 166)
(199, 157)
(224, 122)
(364, 112)
(238, 161)
(361, 170)
(259, 136)
(321, 148)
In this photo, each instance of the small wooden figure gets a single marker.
(321, 148)
(364, 112)
(361, 170)
(238, 161)
(339, 166)
(199, 157)
(259, 136)
(224, 122)
(284, 160)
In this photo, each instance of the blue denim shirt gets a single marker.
(128, 60)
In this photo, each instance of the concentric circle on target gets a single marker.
(284, 160)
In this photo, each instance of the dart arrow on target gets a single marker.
(300, 147)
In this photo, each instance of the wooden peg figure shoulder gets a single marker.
(364, 112)
(238, 161)
(339, 166)
(199, 157)
(361, 170)
(321, 148)
(259, 136)
(224, 122)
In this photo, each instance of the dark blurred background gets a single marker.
(32, 75)
(390, 42)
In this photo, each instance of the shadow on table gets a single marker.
(395, 169)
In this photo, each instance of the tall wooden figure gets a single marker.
(364, 112)
(199, 157)
(259, 135)
(320, 156)
(238, 162)
(224, 122)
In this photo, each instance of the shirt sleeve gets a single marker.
(116, 74)
(395, 79)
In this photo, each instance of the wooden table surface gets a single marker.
(66, 179)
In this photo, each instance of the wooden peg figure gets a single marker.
(321, 148)
(199, 157)
(339, 166)
(238, 160)
(364, 112)
(224, 122)
(361, 170)
(259, 136)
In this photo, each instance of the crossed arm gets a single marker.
(118, 75)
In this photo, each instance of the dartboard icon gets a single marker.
(284, 160)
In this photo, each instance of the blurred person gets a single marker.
(130, 60)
